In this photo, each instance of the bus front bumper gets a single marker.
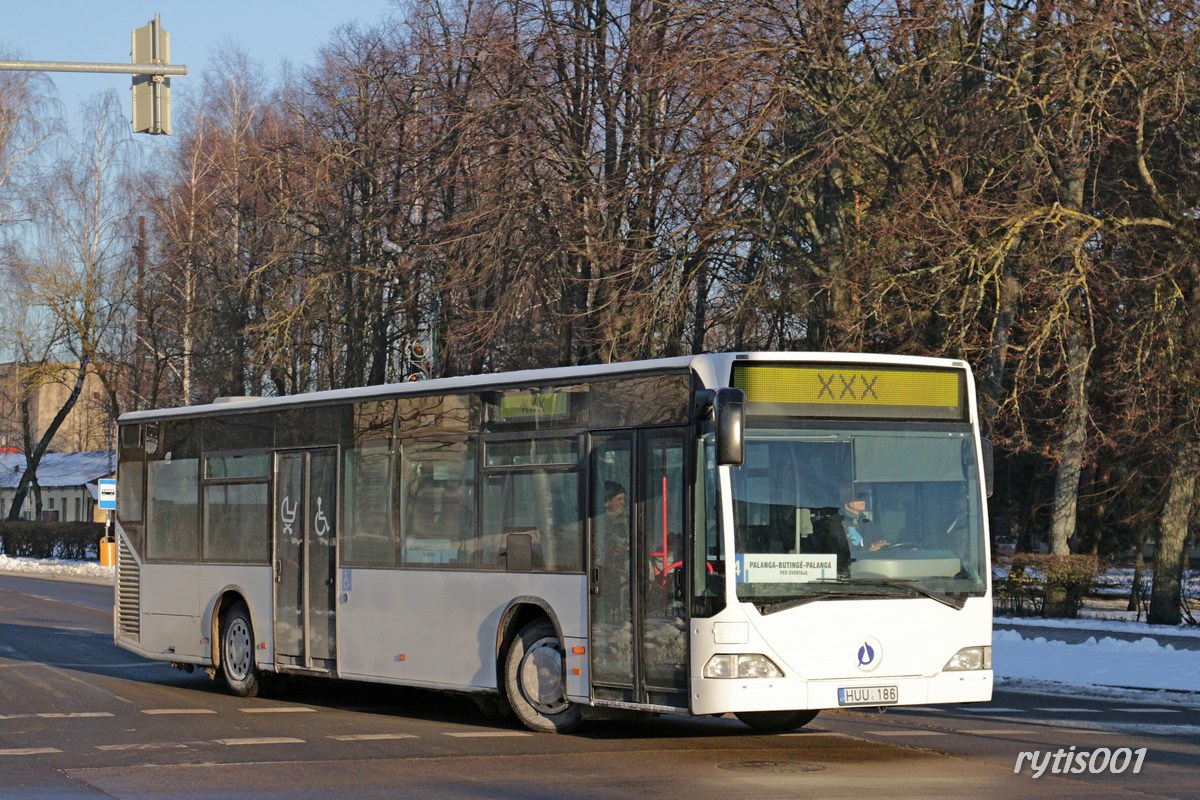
(724, 695)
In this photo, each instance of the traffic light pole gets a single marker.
(151, 72)
(87, 66)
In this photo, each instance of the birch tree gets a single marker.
(71, 273)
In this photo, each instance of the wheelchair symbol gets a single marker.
(321, 522)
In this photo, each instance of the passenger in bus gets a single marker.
(456, 518)
(614, 498)
(422, 512)
(615, 522)
(611, 529)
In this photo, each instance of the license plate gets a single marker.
(869, 696)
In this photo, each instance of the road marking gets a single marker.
(372, 737)
(1148, 710)
(81, 665)
(487, 734)
(76, 715)
(147, 746)
(991, 710)
(992, 731)
(906, 733)
(1069, 710)
(261, 740)
(156, 711)
(29, 751)
(278, 710)
(1157, 730)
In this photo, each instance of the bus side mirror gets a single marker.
(729, 413)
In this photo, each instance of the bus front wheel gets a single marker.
(776, 721)
(237, 652)
(534, 680)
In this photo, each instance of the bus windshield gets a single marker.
(857, 509)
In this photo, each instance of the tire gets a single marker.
(534, 680)
(237, 652)
(776, 721)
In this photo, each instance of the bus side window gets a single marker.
(368, 528)
(437, 512)
(541, 503)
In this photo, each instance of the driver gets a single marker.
(855, 518)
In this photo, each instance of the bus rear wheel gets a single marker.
(534, 680)
(776, 721)
(237, 652)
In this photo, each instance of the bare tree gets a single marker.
(27, 121)
(70, 273)
(580, 180)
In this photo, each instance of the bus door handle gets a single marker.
(595, 580)
(278, 569)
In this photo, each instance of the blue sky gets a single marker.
(270, 31)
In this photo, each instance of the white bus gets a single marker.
(767, 534)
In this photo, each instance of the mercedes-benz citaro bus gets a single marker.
(762, 534)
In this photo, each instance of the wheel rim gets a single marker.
(541, 677)
(239, 649)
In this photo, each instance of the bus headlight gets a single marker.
(970, 658)
(741, 665)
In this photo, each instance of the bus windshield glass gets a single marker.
(857, 509)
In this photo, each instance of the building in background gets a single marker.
(88, 426)
(68, 482)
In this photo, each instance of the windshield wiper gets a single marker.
(955, 601)
(784, 605)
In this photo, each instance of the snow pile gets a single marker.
(58, 568)
(1106, 662)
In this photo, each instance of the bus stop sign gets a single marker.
(107, 490)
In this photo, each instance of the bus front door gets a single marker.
(639, 638)
(304, 536)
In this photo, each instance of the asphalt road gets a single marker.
(80, 718)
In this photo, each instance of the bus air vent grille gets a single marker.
(129, 593)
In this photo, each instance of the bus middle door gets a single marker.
(304, 558)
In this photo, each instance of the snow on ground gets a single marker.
(1101, 665)
(57, 568)
(1105, 621)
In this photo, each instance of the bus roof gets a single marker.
(712, 368)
